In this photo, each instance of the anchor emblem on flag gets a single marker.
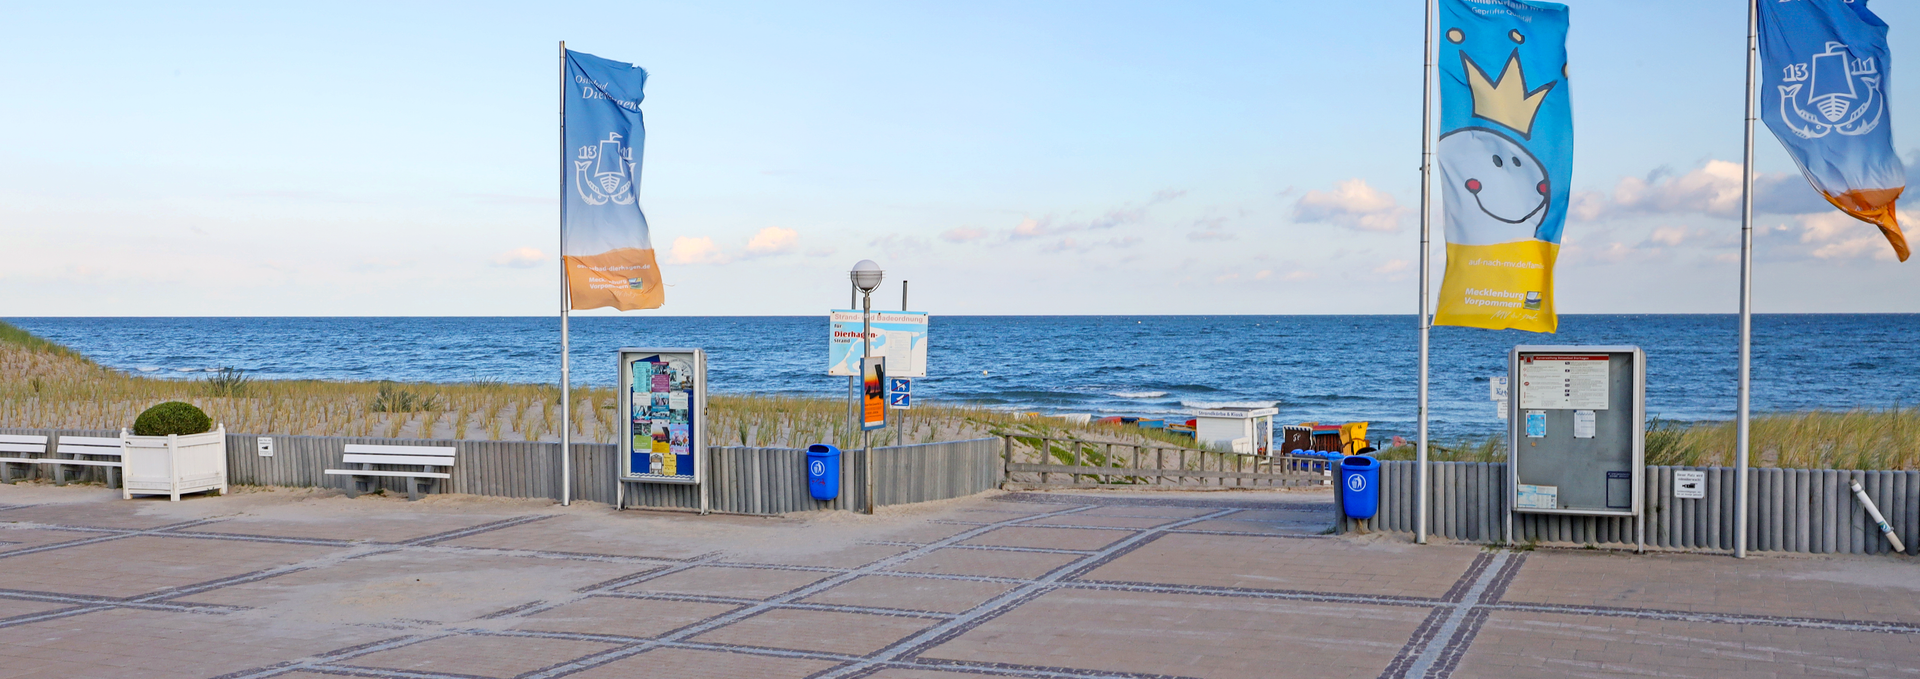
(611, 177)
(1842, 92)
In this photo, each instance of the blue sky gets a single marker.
(1007, 157)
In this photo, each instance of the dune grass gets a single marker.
(47, 386)
(1817, 439)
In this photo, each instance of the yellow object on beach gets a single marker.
(1353, 437)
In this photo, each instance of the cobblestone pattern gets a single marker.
(1029, 585)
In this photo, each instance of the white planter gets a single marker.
(171, 465)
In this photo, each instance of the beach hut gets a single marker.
(1239, 429)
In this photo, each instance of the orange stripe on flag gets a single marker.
(1875, 206)
(625, 279)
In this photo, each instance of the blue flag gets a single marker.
(609, 254)
(1823, 92)
(1506, 160)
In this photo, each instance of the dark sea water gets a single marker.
(1325, 368)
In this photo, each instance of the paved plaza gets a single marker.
(305, 584)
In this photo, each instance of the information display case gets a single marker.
(1577, 430)
(663, 393)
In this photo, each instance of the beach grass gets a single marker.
(1816, 439)
(44, 385)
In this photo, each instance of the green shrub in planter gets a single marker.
(172, 417)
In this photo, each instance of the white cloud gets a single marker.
(696, 251)
(1125, 215)
(1073, 245)
(1670, 236)
(520, 258)
(1263, 275)
(968, 234)
(1352, 204)
(1840, 237)
(1393, 266)
(1299, 276)
(1712, 189)
(773, 240)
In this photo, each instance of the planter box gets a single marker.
(172, 465)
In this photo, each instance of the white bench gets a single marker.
(80, 451)
(426, 458)
(86, 451)
(20, 449)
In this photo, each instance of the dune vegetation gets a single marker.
(1817, 439)
(47, 386)
(44, 385)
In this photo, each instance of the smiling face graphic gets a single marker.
(1495, 191)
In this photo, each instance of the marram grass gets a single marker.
(47, 386)
(1816, 439)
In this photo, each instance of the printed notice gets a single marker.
(1689, 485)
(1564, 382)
(1583, 424)
(1536, 497)
(1501, 407)
(1536, 424)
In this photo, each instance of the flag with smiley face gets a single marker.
(1505, 155)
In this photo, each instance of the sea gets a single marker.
(1312, 368)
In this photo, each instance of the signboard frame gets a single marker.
(696, 418)
(897, 397)
(844, 349)
(1563, 436)
(873, 393)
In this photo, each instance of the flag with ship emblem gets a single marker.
(608, 252)
(1823, 93)
(1505, 154)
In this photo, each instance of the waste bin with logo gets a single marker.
(1360, 486)
(823, 471)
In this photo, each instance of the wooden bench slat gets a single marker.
(22, 438)
(363, 472)
(23, 448)
(398, 459)
(435, 451)
(90, 440)
(60, 460)
(89, 450)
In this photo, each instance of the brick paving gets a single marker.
(1042, 586)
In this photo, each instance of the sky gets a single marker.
(366, 159)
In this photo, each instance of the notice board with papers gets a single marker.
(663, 401)
(1576, 441)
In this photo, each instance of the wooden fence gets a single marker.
(740, 480)
(1042, 462)
(1790, 510)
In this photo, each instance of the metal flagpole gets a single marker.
(566, 301)
(1741, 483)
(1426, 230)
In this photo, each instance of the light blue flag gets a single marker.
(609, 253)
(1505, 157)
(1823, 92)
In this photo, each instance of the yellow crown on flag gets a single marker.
(1505, 100)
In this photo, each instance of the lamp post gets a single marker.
(866, 276)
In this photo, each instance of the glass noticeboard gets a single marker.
(1577, 440)
(663, 392)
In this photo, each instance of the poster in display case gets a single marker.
(664, 394)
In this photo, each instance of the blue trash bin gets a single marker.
(823, 471)
(1360, 486)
